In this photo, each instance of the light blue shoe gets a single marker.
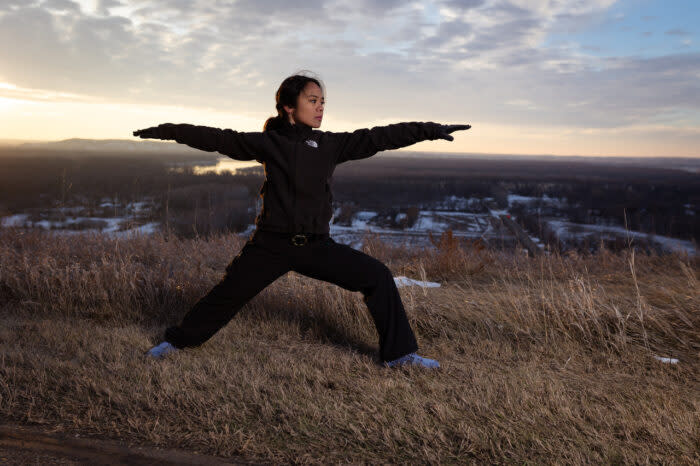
(161, 350)
(414, 360)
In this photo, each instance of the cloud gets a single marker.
(103, 6)
(677, 32)
(66, 6)
(435, 59)
(8, 5)
(11, 91)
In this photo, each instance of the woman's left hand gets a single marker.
(445, 131)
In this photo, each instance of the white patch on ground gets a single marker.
(426, 222)
(463, 224)
(362, 218)
(113, 225)
(71, 222)
(546, 200)
(146, 229)
(335, 214)
(113, 232)
(139, 207)
(405, 281)
(554, 201)
(517, 198)
(17, 220)
(561, 229)
(498, 212)
(666, 360)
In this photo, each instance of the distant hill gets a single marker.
(11, 142)
(687, 164)
(108, 145)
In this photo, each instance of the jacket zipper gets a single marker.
(292, 186)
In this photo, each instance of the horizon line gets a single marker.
(16, 142)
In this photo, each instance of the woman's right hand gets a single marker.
(154, 132)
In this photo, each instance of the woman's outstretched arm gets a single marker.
(237, 145)
(364, 143)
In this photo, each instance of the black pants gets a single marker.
(267, 255)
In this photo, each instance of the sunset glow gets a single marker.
(569, 78)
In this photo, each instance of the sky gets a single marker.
(578, 77)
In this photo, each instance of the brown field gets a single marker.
(544, 360)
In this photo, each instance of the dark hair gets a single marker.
(287, 94)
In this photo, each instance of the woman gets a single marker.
(292, 231)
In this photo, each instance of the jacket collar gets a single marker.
(295, 130)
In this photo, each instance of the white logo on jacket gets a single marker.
(312, 143)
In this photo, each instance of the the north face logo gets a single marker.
(312, 143)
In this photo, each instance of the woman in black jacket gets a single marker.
(292, 231)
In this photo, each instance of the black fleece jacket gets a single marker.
(299, 162)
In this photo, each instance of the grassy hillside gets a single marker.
(549, 360)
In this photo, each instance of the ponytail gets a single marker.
(275, 122)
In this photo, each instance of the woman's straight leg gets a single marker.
(356, 271)
(253, 269)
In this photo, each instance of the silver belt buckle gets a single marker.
(294, 240)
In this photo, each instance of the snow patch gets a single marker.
(666, 360)
(561, 229)
(361, 218)
(146, 229)
(498, 212)
(405, 281)
(426, 222)
(546, 200)
(17, 220)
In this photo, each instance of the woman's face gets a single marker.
(309, 108)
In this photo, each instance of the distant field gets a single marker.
(560, 203)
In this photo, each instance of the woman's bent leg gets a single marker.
(253, 269)
(356, 271)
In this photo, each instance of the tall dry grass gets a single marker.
(548, 359)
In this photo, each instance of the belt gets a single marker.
(298, 239)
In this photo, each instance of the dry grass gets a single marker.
(545, 360)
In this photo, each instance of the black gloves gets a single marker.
(156, 132)
(445, 131)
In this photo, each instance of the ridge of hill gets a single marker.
(107, 145)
